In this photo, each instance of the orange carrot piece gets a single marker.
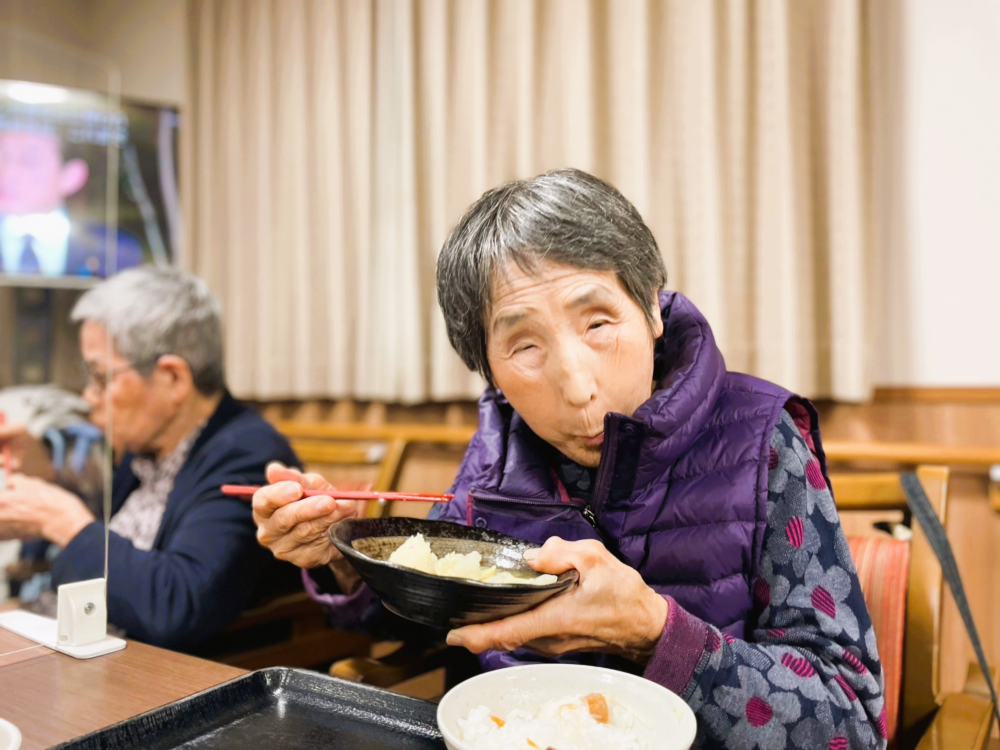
(498, 721)
(598, 707)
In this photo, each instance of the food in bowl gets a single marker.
(596, 721)
(416, 553)
(660, 718)
(442, 601)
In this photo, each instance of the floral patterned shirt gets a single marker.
(808, 675)
(139, 518)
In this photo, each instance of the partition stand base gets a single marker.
(43, 630)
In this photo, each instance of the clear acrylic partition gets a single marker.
(51, 93)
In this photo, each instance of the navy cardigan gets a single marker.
(205, 565)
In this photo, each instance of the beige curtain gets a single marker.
(332, 145)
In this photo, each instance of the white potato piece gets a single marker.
(416, 553)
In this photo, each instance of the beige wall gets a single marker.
(144, 38)
(938, 315)
(66, 21)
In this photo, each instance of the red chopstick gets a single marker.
(239, 490)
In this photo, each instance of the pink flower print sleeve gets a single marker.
(808, 676)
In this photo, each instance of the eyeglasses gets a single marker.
(100, 379)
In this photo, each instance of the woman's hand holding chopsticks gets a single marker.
(296, 528)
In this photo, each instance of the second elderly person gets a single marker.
(183, 560)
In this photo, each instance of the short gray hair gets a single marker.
(565, 216)
(150, 312)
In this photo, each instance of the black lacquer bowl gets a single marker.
(435, 600)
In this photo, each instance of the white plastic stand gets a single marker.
(81, 629)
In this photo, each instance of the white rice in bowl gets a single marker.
(596, 721)
(656, 718)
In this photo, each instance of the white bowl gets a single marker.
(10, 736)
(667, 722)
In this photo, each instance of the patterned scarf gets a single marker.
(140, 516)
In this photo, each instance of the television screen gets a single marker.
(55, 145)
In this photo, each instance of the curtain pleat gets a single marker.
(333, 145)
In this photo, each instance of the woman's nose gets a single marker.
(579, 386)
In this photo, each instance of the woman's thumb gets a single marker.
(552, 557)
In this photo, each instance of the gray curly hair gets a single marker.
(565, 216)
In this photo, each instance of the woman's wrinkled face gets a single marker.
(141, 407)
(567, 346)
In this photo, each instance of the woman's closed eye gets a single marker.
(600, 327)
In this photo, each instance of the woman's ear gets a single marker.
(657, 318)
(178, 373)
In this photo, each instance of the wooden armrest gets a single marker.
(413, 433)
(868, 491)
(914, 454)
(964, 720)
(325, 452)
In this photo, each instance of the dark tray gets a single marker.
(282, 708)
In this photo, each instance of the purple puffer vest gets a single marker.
(681, 490)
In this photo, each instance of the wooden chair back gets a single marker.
(352, 464)
(921, 678)
(355, 452)
(292, 630)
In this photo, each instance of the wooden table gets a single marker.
(52, 698)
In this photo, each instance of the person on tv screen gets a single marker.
(37, 233)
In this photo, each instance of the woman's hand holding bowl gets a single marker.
(611, 609)
(297, 528)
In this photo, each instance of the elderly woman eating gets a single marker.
(182, 558)
(693, 501)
